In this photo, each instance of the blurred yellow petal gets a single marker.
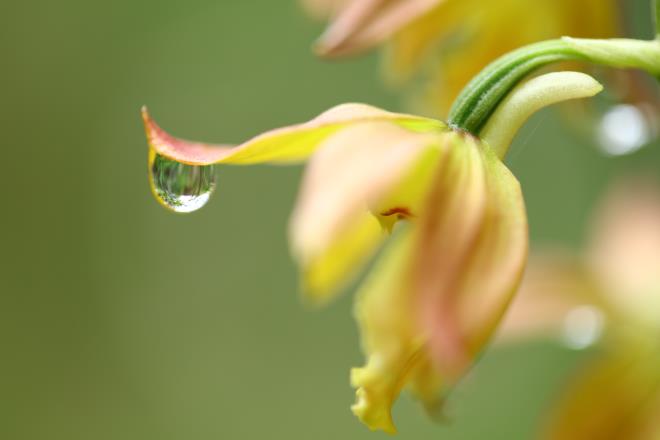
(616, 396)
(280, 146)
(472, 252)
(436, 47)
(354, 171)
(452, 43)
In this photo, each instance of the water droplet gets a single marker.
(624, 129)
(180, 187)
(583, 326)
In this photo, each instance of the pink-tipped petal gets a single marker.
(361, 25)
(284, 145)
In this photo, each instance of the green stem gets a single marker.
(483, 94)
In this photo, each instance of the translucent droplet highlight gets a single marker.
(583, 327)
(180, 187)
(624, 129)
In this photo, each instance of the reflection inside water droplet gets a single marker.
(180, 187)
(583, 327)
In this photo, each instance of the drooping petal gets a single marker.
(391, 337)
(616, 396)
(360, 25)
(280, 146)
(472, 242)
(458, 257)
(624, 251)
(333, 229)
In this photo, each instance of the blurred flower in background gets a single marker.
(434, 47)
(609, 297)
(442, 44)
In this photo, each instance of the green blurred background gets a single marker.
(123, 321)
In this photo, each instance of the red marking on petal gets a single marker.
(401, 211)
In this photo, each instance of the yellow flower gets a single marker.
(448, 273)
(446, 276)
(450, 270)
(439, 45)
(614, 289)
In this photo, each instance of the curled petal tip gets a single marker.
(372, 405)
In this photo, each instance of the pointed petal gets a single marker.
(360, 25)
(332, 230)
(284, 145)
(473, 248)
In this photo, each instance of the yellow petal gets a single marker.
(614, 397)
(284, 145)
(391, 337)
(472, 245)
(450, 44)
(332, 230)
(453, 257)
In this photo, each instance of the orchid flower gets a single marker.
(437, 46)
(456, 213)
(610, 296)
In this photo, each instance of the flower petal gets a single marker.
(438, 53)
(472, 245)
(615, 397)
(284, 145)
(360, 25)
(391, 337)
(354, 171)
(394, 328)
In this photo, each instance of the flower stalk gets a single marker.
(482, 96)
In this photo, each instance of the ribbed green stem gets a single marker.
(480, 98)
